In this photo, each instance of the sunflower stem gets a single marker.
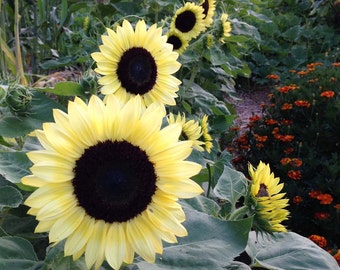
(239, 213)
(209, 179)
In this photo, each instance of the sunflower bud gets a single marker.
(18, 99)
(89, 84)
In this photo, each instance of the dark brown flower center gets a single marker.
(175, 41)
(185, 21)
(263, 191)
(205, 6)
(114, 181)
(137, 71)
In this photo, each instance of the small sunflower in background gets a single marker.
(268, 202)
(225, 27)
(191, 130)
(208, 145)
(188, 20)
(138, 62)
(208, 11)
(178, 40)
(108, 180)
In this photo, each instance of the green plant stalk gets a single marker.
(19, 64)
(239, 213)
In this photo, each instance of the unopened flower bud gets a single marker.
(18, 99)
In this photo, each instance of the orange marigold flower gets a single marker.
(302, 103)
(297, 200)
(327, 94)
(337, 257)
(286, 122)
(271, 121)
(242, 139)
(337, 206)
(289, 150)
(287, 138)
(292, 71)
(287, 106)
(259, 145)
(321, 215)
(273, 77)
(319, 240)
(313, 80)
(325, 198)
(296, 162)
(295, 175)
(315, 64)
(275, 130)
(260, 138)
(285, 161)
(303, 72)
(254, 118)
(336, 64)
(314, 193)
(285, 89)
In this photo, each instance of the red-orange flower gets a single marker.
(292, 71)
(303, 72)
(302, 103)
(289, 150)
(275, 130)
(286, 122)
(337, 257)
(327, 94)
(295, 175)
(296, 162)
(319, 240)
(254, 118)
(273, 77)
(337, 206)
(260, 138)
(259, 145)
(271, 121)
(285, 161)
(325, 198)
(287, 138)
(321, 215)
(314, 193)
(297, 200)
(285, 89)
(315, 64)
(287, 106)
(336, 64)
(235, 128)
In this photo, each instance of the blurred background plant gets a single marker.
(45, 61)
(297, 133)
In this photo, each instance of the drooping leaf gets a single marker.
(10, 196)
(17, 253)
(288, 251)
(211, 244)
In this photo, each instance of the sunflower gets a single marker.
(191, 130)
(226, 27)
(138, 62)
(178, 40)
(269, 203)
(188, 20)
(205, 134)
(208, 11)
(109, 179)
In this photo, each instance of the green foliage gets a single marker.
(298, 135)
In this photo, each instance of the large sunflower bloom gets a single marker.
(269, 203)
(138, 62)
(109, 179)
(208, 11)
(191, 130)
(188, 20)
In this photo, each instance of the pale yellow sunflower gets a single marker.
(178, 40)
(138, 62)
(226, 27)
(108, 180)
(208, 145)
(188, 20)
(208, 11)
(269, 203)
(191, 130)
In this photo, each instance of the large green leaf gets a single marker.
(40, 111)
(14, 165)
(65, 89)
(17, 254)
(211, 244)
(10, 196)
(288, 251)
(231, 185)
